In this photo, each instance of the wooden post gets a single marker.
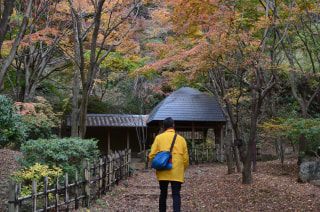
(192, 136)
(196, 154)
(100, 176)
(108, 140)
(87, 186)
(66, 184)
(76, 189)
(94, 177)
(34, 195)
(129, 162)
(218, 140)
(128, 138)
(45, 194)
(110, 170)
(13, 198)
(106, 179)
(202, 154)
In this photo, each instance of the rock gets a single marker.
(309, 171)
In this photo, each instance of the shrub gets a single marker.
(64, 153)
(310, 128)
(36, 172)
(12, 128)
(39, 118)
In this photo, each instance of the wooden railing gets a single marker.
(97, 179)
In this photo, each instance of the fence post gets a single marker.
(66, 182)
(94, 179)
(86, 178)
(45, 194)
(13, 199)
(196, 154)
(87, 187)
(34, 195)
(76, 198)
(128, 162)
(106, 176)
(110, 172)
(57, 194)
(117, 169)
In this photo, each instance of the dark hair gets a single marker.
(168, 123)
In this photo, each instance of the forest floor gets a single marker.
(207, 188)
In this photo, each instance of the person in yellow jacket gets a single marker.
(180, 161)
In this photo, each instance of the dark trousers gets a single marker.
(176, 187)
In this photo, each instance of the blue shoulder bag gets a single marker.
(163, 160)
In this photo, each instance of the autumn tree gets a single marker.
(216, 46)
(300, 43)
(39, 54)
(107, 24)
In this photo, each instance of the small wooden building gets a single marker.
(115, 131)
(194, 113)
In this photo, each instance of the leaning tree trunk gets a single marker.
(15, 45)
(7, 11)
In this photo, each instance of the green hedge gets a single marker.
(65, 153)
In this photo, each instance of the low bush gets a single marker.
(65, 153)
(36, 172)
(12, 128)
(38, 117)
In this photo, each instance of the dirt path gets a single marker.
(208, 188)
(141, 193)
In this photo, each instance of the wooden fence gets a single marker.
(204, 154)
(97, 179)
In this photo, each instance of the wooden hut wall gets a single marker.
(118, 138)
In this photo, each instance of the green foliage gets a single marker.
(117, 63)
(310, 128)
(39, 118)
(96, 106)
(65, 153)
(12, 128)
(36, 172)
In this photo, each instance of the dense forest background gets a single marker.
(259, 59)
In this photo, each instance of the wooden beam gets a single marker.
(128, 138)
(192, 136)
(108, 140)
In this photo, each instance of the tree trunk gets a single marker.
(229, 150)
(75, 105)
(15, 45)
(7, 11)
(83, 112)
(79, 69)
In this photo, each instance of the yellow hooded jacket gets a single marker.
(180, 156)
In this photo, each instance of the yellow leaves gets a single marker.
(36, 172)
(235, 95)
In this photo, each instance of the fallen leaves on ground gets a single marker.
(8, 165)
(208, 188)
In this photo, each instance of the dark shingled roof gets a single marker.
(188, 104)
(113, 120)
